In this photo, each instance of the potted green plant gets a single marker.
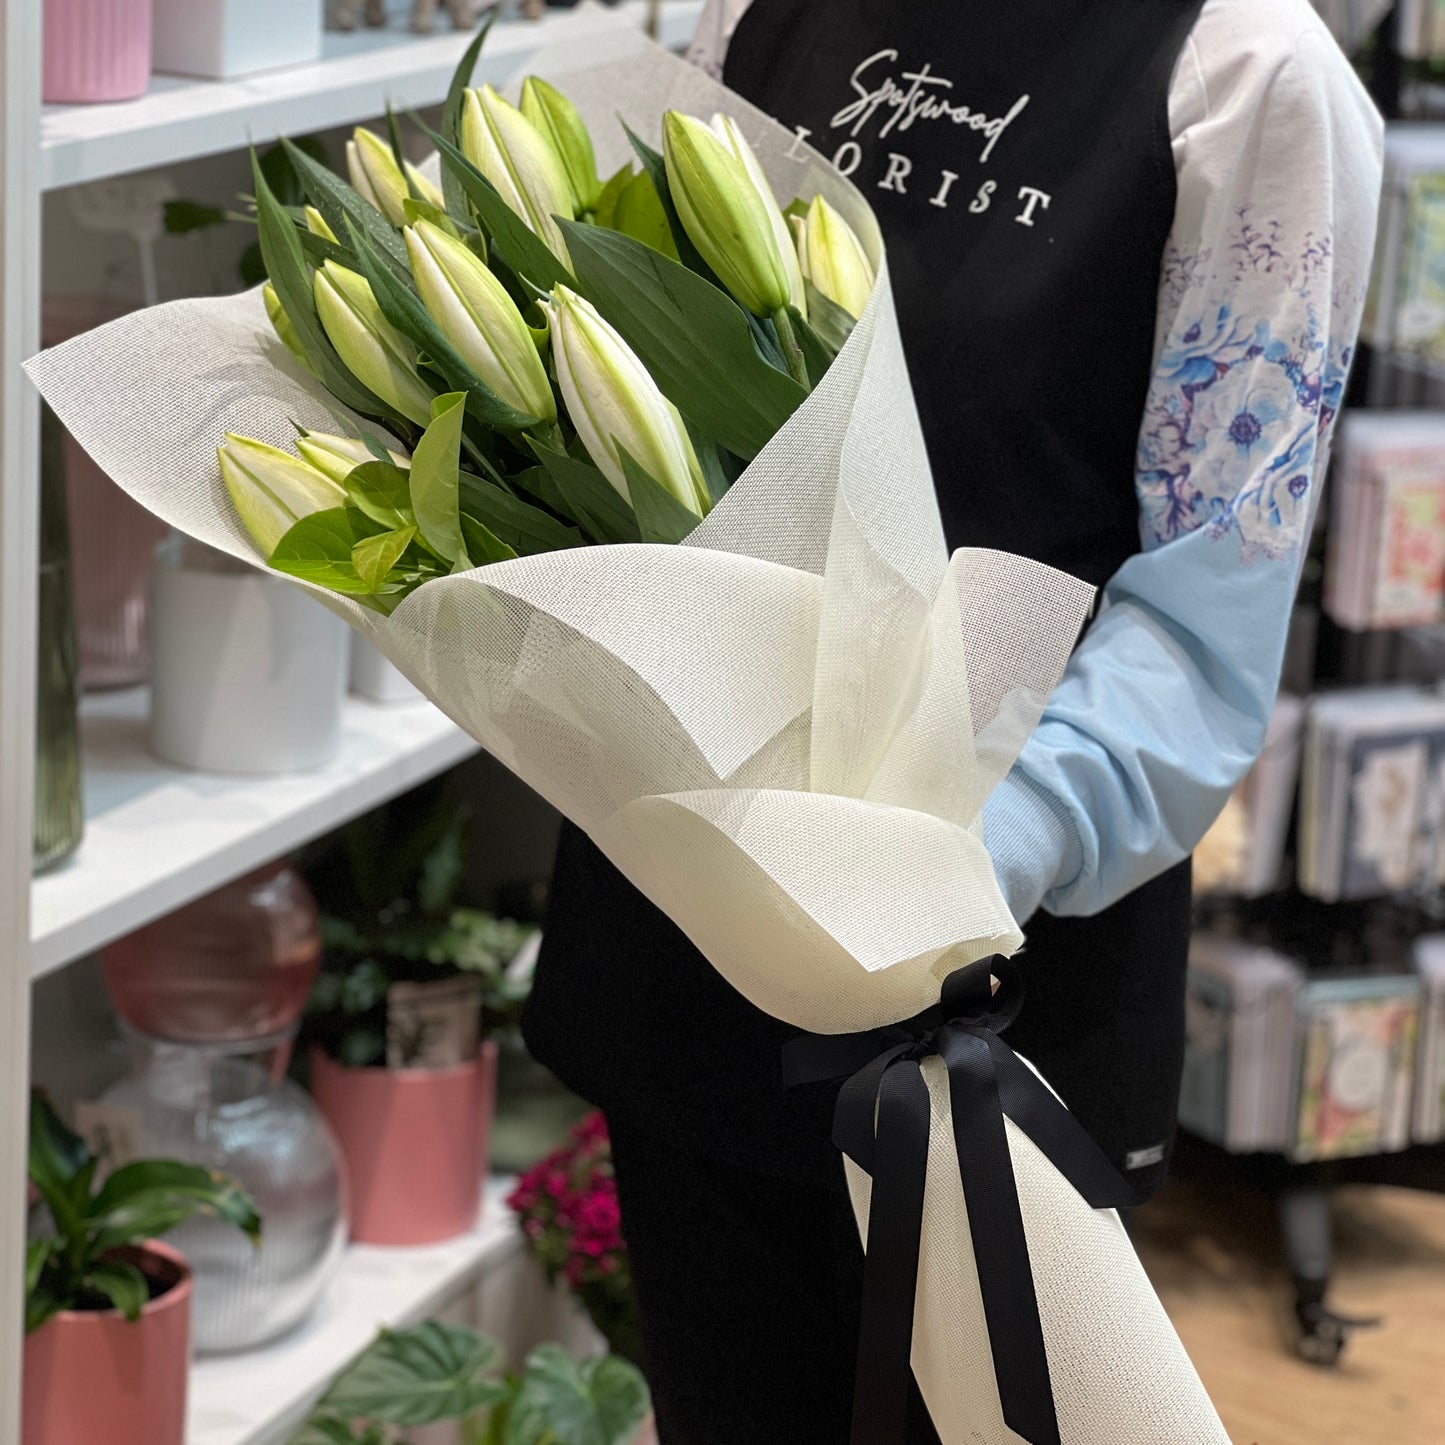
(435, 1372)
(401, 1062)
(107, 1307)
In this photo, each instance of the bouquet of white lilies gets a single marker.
(490, 322)
(626, 476)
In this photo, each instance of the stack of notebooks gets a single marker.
(1357, 1066)
(1372, 799)
(1405, 309)
(1239, 1066)
(1314, 1068)
(1385, 562)
(1428, 1125)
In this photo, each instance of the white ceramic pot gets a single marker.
(221, 39)
(249, 672)
(375, 678)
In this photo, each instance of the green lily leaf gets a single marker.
(517, 523)
(318, 249)
(536, 482)
(417, 210)
(589, 497)
(483, 545)
(291, 276)
(122, 1284)
(344, 209)
(402, 307)
(693, 338)
(828, 320)
(525, 251)
(374, 557)
(660, 516)
(817, 354)
(656, 168)
(710, 458)
(318, 549)
(417, 1376)
(639, 213)
(611, 190)
(456, 197)
(600, 1402)
(435, 479)
(382, 491)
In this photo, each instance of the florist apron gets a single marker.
(1018, 157)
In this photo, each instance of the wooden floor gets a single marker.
(1212, 1249)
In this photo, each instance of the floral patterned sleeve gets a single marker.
(1165, 703)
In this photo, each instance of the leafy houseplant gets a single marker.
(107, 1309)
(439, 1372)
(388, 896)
(400, 1065)
(570, 1216)
(84, 1265)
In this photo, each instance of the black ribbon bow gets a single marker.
(986, 1082)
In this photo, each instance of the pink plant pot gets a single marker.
(95, 1376)
(415, 1141)
(96, 49)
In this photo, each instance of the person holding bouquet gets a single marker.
(1129, 245)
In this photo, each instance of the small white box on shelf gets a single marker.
(224, 39)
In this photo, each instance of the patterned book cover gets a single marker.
(1410, 581)
(1420, 316)
(1387, 779)
(1357, 1067)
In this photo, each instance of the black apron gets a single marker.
(1018, 157)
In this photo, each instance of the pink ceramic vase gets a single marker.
(415, 1141)
(96, 49)
(93, 1376)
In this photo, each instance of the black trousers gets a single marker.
(750, 1288)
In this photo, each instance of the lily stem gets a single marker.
(792, 351)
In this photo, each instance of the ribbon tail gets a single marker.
(890, 1271)
(1000, 1247)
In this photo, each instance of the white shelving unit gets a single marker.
(157, 837)
(259, 1397)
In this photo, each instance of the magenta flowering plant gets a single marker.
(570, 1216)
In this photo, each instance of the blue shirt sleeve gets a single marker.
(1164, 705)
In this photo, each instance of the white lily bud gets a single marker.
(730, 134)
(475, 313)
(316, 224)
(281, 322)
(337, 456)
(515, 157)
(375, 175)
(560, 123)
(272, 490)
(373, 350)
(725, 216)
(833, 259)
(616, 406)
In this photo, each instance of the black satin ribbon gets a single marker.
(986, 1082)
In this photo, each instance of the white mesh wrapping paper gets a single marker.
(782, 731)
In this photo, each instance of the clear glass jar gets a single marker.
(228, 1106)
(236, 964)
(112, 538)
(59, 814)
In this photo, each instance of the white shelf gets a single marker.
(261, 1396)
(178, 119)
(158, 836)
